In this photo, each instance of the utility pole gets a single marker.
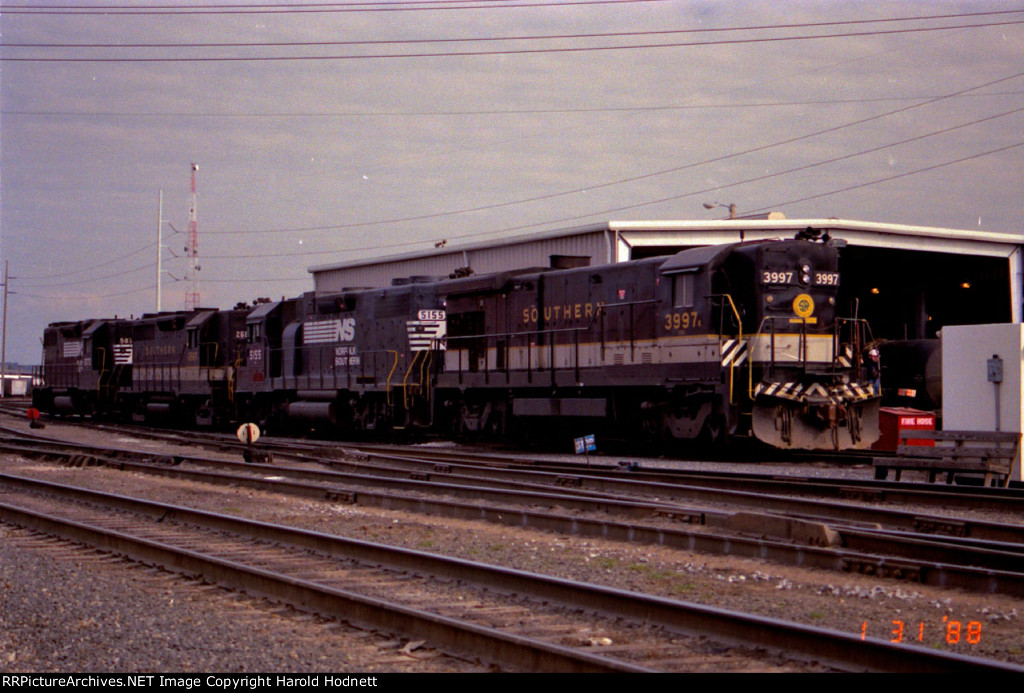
(159, 246)
(192, 271)
(3, 339)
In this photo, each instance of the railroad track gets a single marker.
(1010, 500)
(981, 565)
(424, 461)
(409, 471)
(456, 604)
(633, 474)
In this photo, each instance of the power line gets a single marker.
(252, 7)
(92, 267)
(894, 177)
(705, 190)
(632, 206)
(608, 184)
(605, 212)
(520, 51)
(147, 266)
(257, 280)
(305, 8)
(637, 205)
(152, 286)
(622, 208)
(84, 297)
(633, 179)
(493, 112)
(492, 39)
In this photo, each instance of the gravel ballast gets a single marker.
(62, 613)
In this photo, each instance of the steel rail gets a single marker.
(611, 489)
(489, 465)
(925, 495)
(831, 647)
(958, 551)
(906, 493)
(609, 492)
(1002, 556)
(980, 497)
(965, 532)
(460, 637)
(873, 554)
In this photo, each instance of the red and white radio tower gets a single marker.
(192, 272)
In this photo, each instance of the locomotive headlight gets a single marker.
(805, 278)
(805, 274)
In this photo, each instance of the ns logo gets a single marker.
(347, 330)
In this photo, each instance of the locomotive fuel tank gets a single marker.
(912, 373)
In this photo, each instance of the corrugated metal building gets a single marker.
(595, 243)
(909, 280)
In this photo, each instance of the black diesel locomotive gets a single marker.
(153, 367)
(710, 343)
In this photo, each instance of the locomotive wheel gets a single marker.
(474, 419)
(678, 426)
(713, 430)
(204, 414)
(496, 424)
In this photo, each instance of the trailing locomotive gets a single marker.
(356, 361)
(710, 343)
(178, 366)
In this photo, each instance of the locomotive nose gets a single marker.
(814, 421)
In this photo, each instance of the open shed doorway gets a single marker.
(911, 294)
(907, 294)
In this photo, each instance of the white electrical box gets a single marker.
(982, 383)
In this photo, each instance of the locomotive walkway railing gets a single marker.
(61, 375)
(541, 342)
(323, 368)
(844, 353)
(535, 342)
(739, 336)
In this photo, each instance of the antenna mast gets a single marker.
(192, 251)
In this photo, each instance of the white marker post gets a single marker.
(248, 433)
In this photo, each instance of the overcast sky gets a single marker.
(396, 125)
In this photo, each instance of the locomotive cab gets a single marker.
(804, 376)
(788, 366)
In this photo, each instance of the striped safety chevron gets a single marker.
(816, 390)
(734, 351)
(859, 390)
(845, 358)
(784, 390)
(796, 391)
